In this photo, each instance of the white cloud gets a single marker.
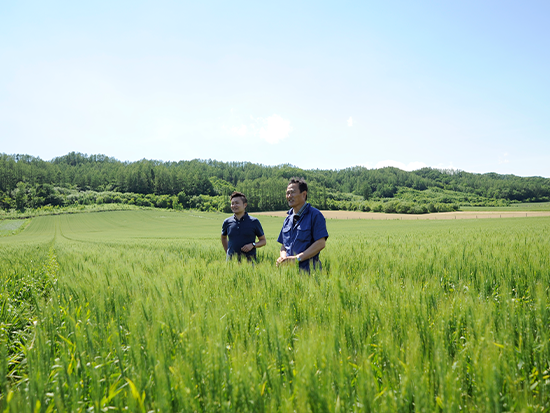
(275, 129)
(350, 121)
(443, 166)
(167, 130)
(411, 166)
(272, 129)
(239, 131)
(503, 159)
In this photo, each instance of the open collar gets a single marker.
(296, 217)
(242, 218)
(301, 211)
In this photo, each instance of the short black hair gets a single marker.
(302, 184)
(239, 194)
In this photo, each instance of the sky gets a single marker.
(319, 85)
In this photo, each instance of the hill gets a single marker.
(76, 178)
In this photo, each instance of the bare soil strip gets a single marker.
(439, 215)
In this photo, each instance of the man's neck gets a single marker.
(239, 216)
(297, 208)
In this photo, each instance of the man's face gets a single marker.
(294, 196)
(237, 205)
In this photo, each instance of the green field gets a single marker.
(138, 311)
(11, 227)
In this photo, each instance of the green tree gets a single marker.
(20, 196)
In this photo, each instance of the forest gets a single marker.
(28, 182)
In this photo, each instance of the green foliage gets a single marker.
(222, 187)
(442, 196)
(138, 311)
(20, 196)
(6, 202)
(24, 283)
(28, 182)
(210, 203)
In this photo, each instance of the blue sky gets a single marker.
(325, 85)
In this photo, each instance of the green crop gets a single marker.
(139, 311)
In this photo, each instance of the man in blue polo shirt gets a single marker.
(304, 232)
(239, 232)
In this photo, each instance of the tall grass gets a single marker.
(406, 316)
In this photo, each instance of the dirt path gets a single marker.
(440, 215)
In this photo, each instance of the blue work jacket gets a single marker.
(296, 238)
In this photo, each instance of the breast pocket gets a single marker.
(304, 232)
(303, 238)
(287, 235)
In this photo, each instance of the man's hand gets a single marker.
(286, 260)
(280, 261)
(247, 247)
(261, 242)
(282, 257)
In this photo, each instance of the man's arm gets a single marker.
(224, 242)
(313, 250)
(261, 242)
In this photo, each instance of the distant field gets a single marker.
(139, 311)
(9, 227)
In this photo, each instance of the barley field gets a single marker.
(138, 311)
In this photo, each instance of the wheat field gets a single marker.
(139, 311)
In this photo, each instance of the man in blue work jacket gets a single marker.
(304, 232)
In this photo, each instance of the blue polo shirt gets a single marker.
(298, 236)
(241, 232)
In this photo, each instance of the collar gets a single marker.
(302, 209)
(300, 212)
(242, 218)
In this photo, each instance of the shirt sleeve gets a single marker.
(280, 239)
(224, 228)
(258, 230)
(319, 227)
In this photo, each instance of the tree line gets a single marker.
(30, 182)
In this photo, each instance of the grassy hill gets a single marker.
(79, 179)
